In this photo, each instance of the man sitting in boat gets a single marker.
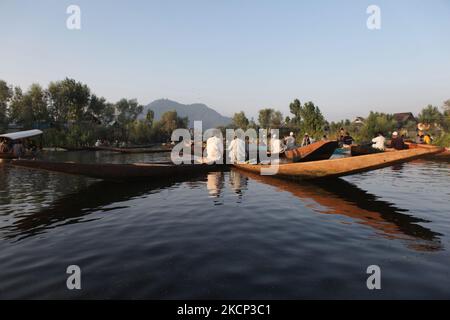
(290, 141)
(237, 150)
(18, 149)
(214, 149)
(4, 148)
(347, 140)
(306, 140)
(397, 142)
(379, 141)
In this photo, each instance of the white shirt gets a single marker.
(276, 146)
(237, 150)
(214, 149)
(378, 142)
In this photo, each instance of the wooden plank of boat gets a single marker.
(121, 172)
(343, 166)
(320, 150)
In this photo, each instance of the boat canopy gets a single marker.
(21, 134)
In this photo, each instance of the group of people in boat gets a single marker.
(18, 148)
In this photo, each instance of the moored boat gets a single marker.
(320, 150)
(340, 167)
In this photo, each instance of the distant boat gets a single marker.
(15, 136)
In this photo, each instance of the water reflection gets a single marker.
(72, 208)
(336, 197)
(340, 197)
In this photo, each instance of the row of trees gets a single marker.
(307, 118)
(73, 116)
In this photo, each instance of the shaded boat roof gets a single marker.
(22, 134)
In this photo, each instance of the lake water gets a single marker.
(225, 234)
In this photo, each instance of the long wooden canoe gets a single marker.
(121, 172)
(320, 150)
(341, 167)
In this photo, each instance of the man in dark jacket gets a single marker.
(397, 142)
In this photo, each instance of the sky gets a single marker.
(237, 55)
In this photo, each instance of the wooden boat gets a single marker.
(28, 134)
(442, 156)
(320, 150)
(360, 150)
(340, 167)
(121, 172)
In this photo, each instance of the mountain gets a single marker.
(194, 112)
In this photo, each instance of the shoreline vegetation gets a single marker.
(71, 116)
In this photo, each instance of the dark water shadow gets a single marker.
(74, 207)
(339, 197)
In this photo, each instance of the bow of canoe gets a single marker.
(343, 166)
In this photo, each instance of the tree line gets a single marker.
(72, 116)
(307, 118)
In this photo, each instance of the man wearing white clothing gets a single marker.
(214, 149)
(237, 150)
(379, 141)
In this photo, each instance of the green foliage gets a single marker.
(68, 100)
(5, 97)
(307, 118)
(431, 115)
(240, 121)
(374, 123)
(270, 119)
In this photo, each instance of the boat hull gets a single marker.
(321, 150)
(121, 172)
(340, 167)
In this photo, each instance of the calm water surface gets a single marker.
(225, 234)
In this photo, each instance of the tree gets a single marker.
(312, 120)
(431, 115)
(168, 123)
(377, 122)
(150, 117)
(29, 109)
(5, 97)
(295, 108)
(68, 100)
(240, 121)
(128, 111)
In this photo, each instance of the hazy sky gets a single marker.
(237, 55)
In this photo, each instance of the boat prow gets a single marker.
(320, 150)
(340, 167)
